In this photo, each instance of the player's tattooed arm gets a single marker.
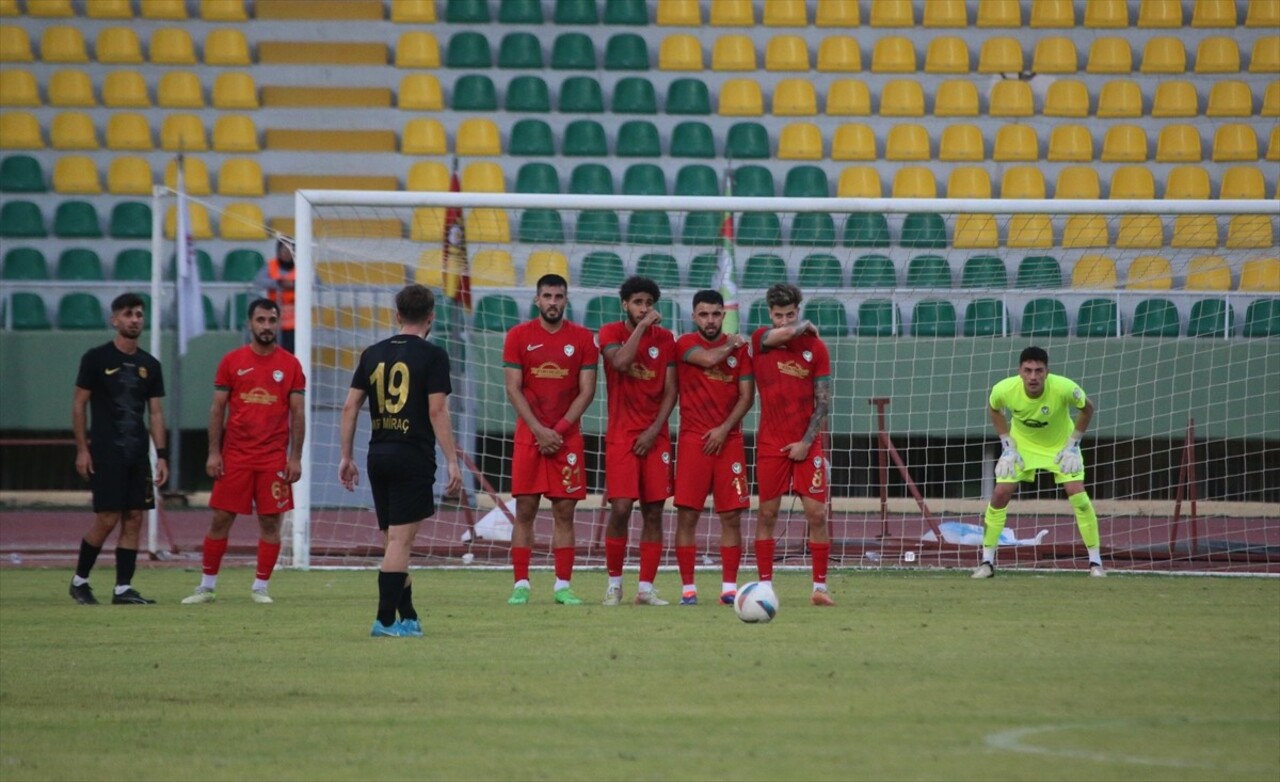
(821, 408)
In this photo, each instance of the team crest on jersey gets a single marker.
(666, 457)
(1044, 410)
(807, 355)
(817, 462)
(572, 459)
(277, 376)
(736, 467)
(732, 361)
(568, 350)
(142, 372)
(653, 352)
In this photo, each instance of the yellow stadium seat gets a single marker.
(680, 13)
(837, 13)
(1053, 13)
(1194, 231)
(413, 11)
(428, 176)
(1120, 98)
(118, 46)
(947, 54)
(76, 175)
(1249, 232)
(1106, 14)
(1027, 230)
(542, 262)
(1026, 182)
(1133, 182)
(423, 137)
(234, 133)
(786, 53)
(785, 13)
(1235, 142)
(848, 98)
(1055, 54)
(172, 46)
(1000, 54)
(1188, 182)
(488, 226)
(1218, 55)
(1266, 55)
(1070, 144)
(183, 133)
(733, 53)
(1160, 13)
(902, 98)
(680, 52)
(999, 13)
(483, 177)
(1110, 54)
(945, 13)
(240, 177)
(914, 182)
(1208, 273)
(200, 226)
(961, 143)
(1015, 143)
(73, 88)
(853, 141)
(1094, 271)
(800, 141)
(1179, 144)
(171, 10)
(1260, 274)
(417, 49)
(478, 136)
(859, 182)
(1175, 99)
(1273, 149)
(1271, 100)
(975, 232)
(235, 90)
(180, 90)
(226, 47)
(1080, 182)
(21, 130)
(1124, 144)
(891, 13)
(1011, 98)
(1136, 231)
(195, 176)
(223, 11)
(795, 98)
(64, 44)
(1263, 13)
(1067, 98)
(420, 92)
(969, 182)
(893, 54)
(18, 88)
(1164, 54)
(839, 54)
(1085, 231)
(1242, 182)
(50, 8)
(15, 44)
(732, 13)
(907, 142)
(1214, 13)
(128, 131)
(1150, 272)
(70, 130)
(124, 89)
(956, 98)
(360, 272)
(129, 175)
(741, 98)
(493, 269)
(243, 222)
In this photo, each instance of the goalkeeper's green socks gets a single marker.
(994, 520)
(1087, 522)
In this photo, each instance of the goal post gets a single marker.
(1153, 306)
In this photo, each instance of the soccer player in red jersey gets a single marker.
(550, 369)
(793, 372)
(256, 426)
(640, 375)
(716, 391)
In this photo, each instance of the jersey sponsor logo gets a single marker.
(1032, 423)
(568, 350)
(807, 355)
(794, 369)
(549, 370)
(533, 347)
(653, 352)
(277, 376)
(111, 371)
(243, 372)
(641, 372)
(258, 396)
(717, 375)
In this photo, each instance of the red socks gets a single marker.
(764, 557)
(564, 564)
(212, 552)
(821, 556)
(730, 560)
(650, 556)
(268, 553)
(615, 555)
(686, 558)
(520, 562)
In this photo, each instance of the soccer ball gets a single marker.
(756, 603)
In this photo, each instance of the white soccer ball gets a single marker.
(756, 603)
(468, 558)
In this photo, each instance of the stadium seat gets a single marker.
(634, 95)
(1229, 98)
(741, 98)
(732, 13)
(813, 229)
(680, 52)
(759, 229)
(80, 311)
(1039, 271)
(183, 133)
(902, 98)
(704, 271)
(891, 13)
(1179, 143)
(1214, 13)
(541, 226)
(1235, 142)
(18, 89)
(893, 54)
(63, 44)
(933, 318)
(423, 137)
(76, 175)
(859, 182)
(1110, 54)
(223, 11)
(692, 139)
(28, 312)
(733, 53)
(76, 220)
(466, 49)
(785, 13)
(806, 182)
(1044, 318)
(828, 315)
(1262, 14)
(873, 271)
(493, 268)
(795, 98)
(837, 13)
(1211, 318)
(483, 177)
(172, 46)
(1094, 271)
(21, 174)
(519, 12)
(243, 221)
(753, 182)
(1218, 54)
(637, 138)
(575, 12)
(629, 12)
(1262, 318)
(649, 227)
(877, 318)
(130, 220)
(1160, 14)
(1242, 182)
(969, 182)
(573, 51)
(1273, 146)
(1066, 98)
(24, 263)
(1149, 272)
(1175, 99)
(182, 90)
(79, 264)
(1208, 273)
(786, 53)
(1054, 54)
(1188, 182)
(696, 180)
(591, 179)
(1000, 54)
(15, 44)
(928, 271)
(414, 11)
(747, 141)
(644, 179)
(474, 92)
(973, 231)
(984, 271)
(584, 138)
(1053, 13)
(800, 141)
(1106, 14)
(1124, 144)
(118, 46)
(1011, 98)
(945, 13)
(848, 97)
(688, 96)
(1265, 56)
(601, 269)
(1136, 231)
(128, 131)
(466, 12)
(839, 54)
(1077, 182)
(908, 142)
(530, 138)
(956, 98)
(21, 220)
(914, 182)
(626, 52)
(820, 271)
(1015, 143)
(660, 268)
(853, 141)
(1070, 144)
(542, 262)
(242, 265)
(419, 92)
(1120, 98)
(1098, 318)
(72, 88)
(537, 178)
(985, 318)
(520, 50)
(478, 136)
(496, 312)
(680, 13)
(1249, 232)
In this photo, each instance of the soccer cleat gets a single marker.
(985, 570)
(1096, 571)
(689, 599)
(396, 630)
(566, 597)
(612, 596)
(201, 595)
(727, 598)
(411, 628)
(649, 597)
(260, 596)
(83, 595)
(130, 597)
(519, 597)
(821, 597)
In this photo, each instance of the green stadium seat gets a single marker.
(531, 138)
(211, 320)
(1044, 318)
(806, 182)
(474, 92)
(697, 180)
(1262, 318)
(79, 263)
(758, 315)
(467, 11)
(591, 179)
(660, 268)
(644, 179)
(1211, 318)
(237, 309)
(747, 141)
(584, 138)
(21, 174)
(753, 182)
(985, 318)
(602, 310)
(866, 229)
(638, 138)
(76, 220)
(24, 263)
(496, 312)
(688, 96)
(601, 269)
(133, 265)
(704, 270)
(520, 50)
(29, 312)
(80, 311)
(519, 12)
(873, 271)
(634, 95)
(541, 226)
(631, 12)
(626, 52)
(242, 265)
(820, 271)
(702, 228)
(21, 220)
(1155, 318)
(692, 139)
(924, 231)
(984, 271)
(763, 270)
(1039, 271)
(573, 52)
(1098, 318)
(537, 178)
(130, 220)
(673, 316)
(877, 318)
(468, 50)
(759, 229)
(649, 227)
(581, 95)
(928, 271)
(528, 94)
(933, 318)
(204, 267)
(598, 226)
(829, 316)
(813, 229)
(576, 12)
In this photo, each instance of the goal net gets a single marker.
(1167, 313)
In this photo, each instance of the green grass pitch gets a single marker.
(916, 675)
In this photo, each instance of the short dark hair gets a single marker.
(1034, 353)
(126, 301)
(551, 281)
(415, 303)
(782, 294)
(262, 304)
(708, 297)
(638, 284)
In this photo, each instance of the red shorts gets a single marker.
(560, 476)
(777, 475)
(724, 475)
(241, 488)
(645, 478)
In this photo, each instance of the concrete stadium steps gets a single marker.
(287, 183)
(280, 96)
(317, 53)
(332, 140)
(319, 10)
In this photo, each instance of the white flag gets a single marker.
(190, 302)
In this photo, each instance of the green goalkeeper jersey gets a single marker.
(1042, 424)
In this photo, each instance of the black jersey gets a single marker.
(398, 375)
(120, 386)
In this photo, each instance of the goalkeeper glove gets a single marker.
(1010, 462)
(1069, 459)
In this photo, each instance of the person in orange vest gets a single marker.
(277, 278)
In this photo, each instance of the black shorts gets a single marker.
(121, 484)
(402, 478)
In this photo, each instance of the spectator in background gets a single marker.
(277, 279)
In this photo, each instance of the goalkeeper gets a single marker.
(1040, 437)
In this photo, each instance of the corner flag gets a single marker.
(190, 302)
(727, 273)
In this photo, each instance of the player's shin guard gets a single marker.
(764, 557)
(731, 560)
(564, 563)
(520, 556)
(821, 553)
(390, 588)
(268, 553)
(615, 555)
(686, 558)
(1086, 519)
(126, 565)
(994, 520)
(650, 556)
(211, 554)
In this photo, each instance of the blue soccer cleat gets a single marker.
(411, 628)
(380, 630)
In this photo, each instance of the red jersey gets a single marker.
(256, 433)
(708, 395)
(785, 376)
(636, 395)
(550, 363)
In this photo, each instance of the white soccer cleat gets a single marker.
(260, 596)
(1096, 571)
(649, 597)
(612, 596)
(201, 595)
(985, 570)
